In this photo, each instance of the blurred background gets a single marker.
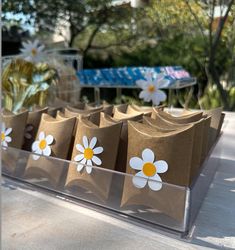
(198, 35)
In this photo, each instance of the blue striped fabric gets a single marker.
(127, 76)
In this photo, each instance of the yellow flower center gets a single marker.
(34, 52)
(151, 88)
(149, 169)
(88, 153)
(42, 144)
(3, 136)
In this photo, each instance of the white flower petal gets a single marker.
(80, 167)
(41, 48)
(143, 94)
(138, 180)
(149, 77)
(4, 144)
(163, 83)
(161, 166)
(35, 145)
(89, 162)
(146, 95)
(36, 157)
(160, 95)
(96, 160)
(8, 131)
(85, 142)
(136, 163)
(98, 150)
(142, 84)
(47, 151)
(79, 157)
(92, 142)
(155, 182)
(148, 155)
(8, 139)
(41, 136)
(80, 148)
(3, 127)
(88, 169)
(38, 151)
(49, 139)
(83, 161)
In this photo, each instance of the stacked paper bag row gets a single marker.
(143, 141)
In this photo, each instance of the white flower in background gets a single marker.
(88, 154)
(5, 138)
(32, 51)
(151, 88)
(42, 146)
(27, 132)
(149, 170)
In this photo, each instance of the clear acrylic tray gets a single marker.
(172, 208)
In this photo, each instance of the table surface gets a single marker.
(35, 220)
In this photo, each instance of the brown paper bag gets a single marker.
(53, 110)
(163, 149)
(198, 141)
(94, 115)
(55, 135)
(101, 146)
(17, 124)
(122, 151)
(205, 140)
(215, 124)
(135, 110)
(31, 128)
(12, 135)
(193, 117)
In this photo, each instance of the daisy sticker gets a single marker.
(88, 154)
(151, 88)
(32, 51)
(42, 146)
(5, 138)
(149, 170)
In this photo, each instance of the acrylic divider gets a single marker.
(107, 189)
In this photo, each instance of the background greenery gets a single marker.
(165, 32)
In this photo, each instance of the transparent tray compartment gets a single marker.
(172, 208)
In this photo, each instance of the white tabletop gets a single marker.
(35, 220)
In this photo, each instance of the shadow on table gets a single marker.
(216, 220)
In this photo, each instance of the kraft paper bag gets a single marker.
(199, 125)
(32, 125)
(143, 109)
(192, 117)
(173, 161)
(106, 108)
(200, 142)
(131, 109)
(53, 139)
(215, 124)
(221, 123)
(94, 146)
(156, 109)
(122, 151)
(12, 135)
(205, 141)
(52, 111)
(94, 115)
(121, 115)
(121, 107)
